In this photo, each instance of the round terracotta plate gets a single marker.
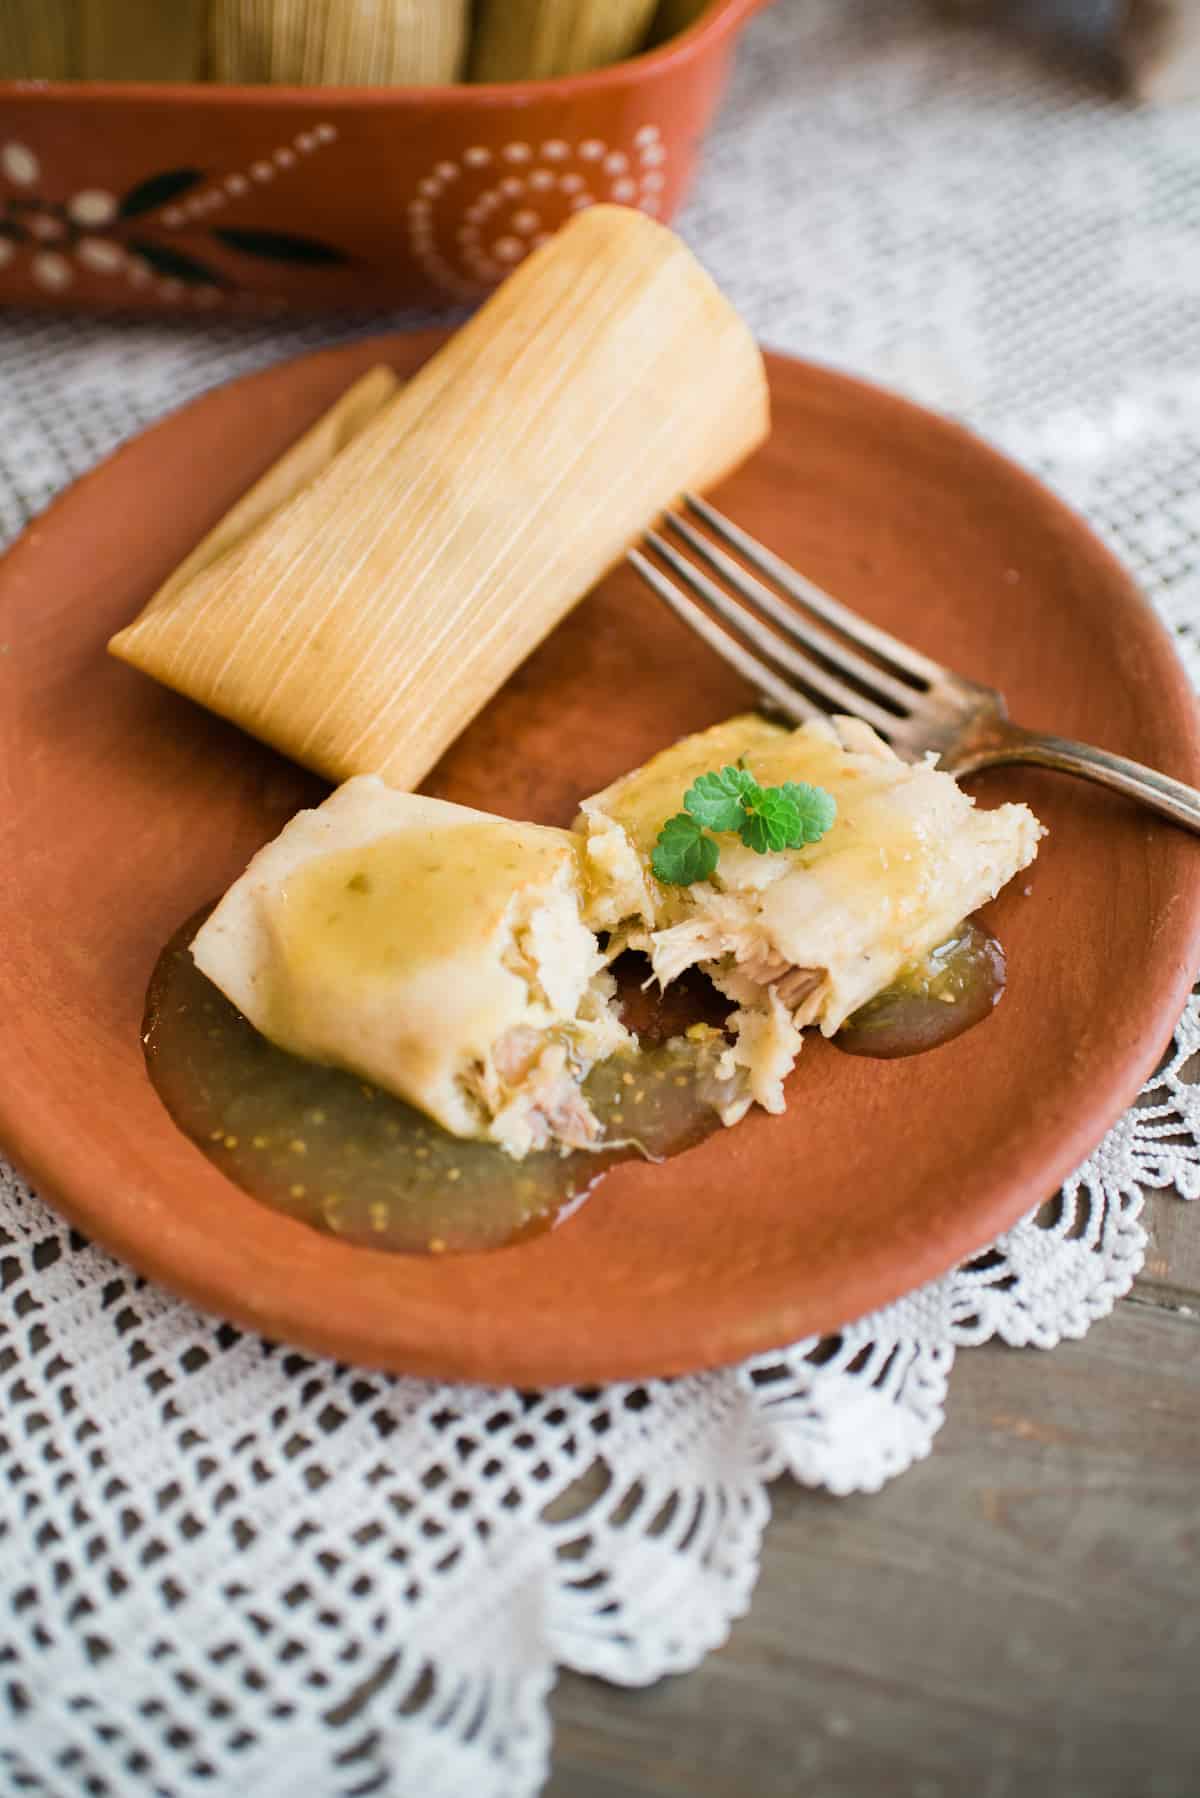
(124, 808)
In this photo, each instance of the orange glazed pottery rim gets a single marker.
(705, 33)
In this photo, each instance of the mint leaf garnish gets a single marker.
(716, 799)
(683, 853)
(729, 799)
(769, 820)
(815, 812)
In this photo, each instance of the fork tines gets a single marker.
(769, 633)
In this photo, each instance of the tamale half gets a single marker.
(374, 614)
(517, 40)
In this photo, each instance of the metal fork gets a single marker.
(802, 670)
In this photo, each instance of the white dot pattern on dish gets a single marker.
(99, 254)
(570, 177)
(467, 265)
(19, 164)
(93, 206)
(52, 271)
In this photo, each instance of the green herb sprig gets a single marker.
(767, 819)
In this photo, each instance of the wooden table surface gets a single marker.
(1017, 1615)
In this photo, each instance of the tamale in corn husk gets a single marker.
(369, 43)
(364, 624)
(38, 39)
(141, 40)
(517, 40)
(295, 470)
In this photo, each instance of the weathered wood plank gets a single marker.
(1171, 1275)
(1017, 1616)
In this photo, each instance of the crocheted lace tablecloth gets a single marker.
(227, 1566)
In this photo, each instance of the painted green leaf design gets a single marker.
(176, 265)
(157, 190)
(279, 246)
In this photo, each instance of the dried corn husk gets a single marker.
(38, 39)
(674, 16)
(353, 42)
(526, 39)
(370, 618)
(308, 457)
(141, 40)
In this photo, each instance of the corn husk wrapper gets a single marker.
(370, 618)
(369, 43)
(141, 40)
(518, 40)
(308, 457)
(38, 39)
(674, 16)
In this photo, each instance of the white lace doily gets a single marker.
(228, 1566)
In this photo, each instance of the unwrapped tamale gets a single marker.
(364, 624)
(435, 950)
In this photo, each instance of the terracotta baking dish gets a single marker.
(186, 197)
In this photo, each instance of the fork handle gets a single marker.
(1160, 792)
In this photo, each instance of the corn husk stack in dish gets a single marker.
(363, 624)
(102, 40)
(519, 40)
(351, 42)
(37, 39)
(141, 40)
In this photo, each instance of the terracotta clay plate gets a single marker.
(125, 808)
